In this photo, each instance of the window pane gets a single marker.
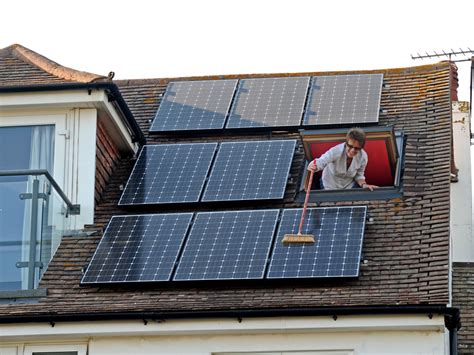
(27, 147)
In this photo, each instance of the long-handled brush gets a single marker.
(301, 238)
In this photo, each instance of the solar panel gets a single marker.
(338, 232)
(138, 248)
(344, 99)
(250, 170)
(194, 105)
(228, 245)
(269, 102)
(169, 173)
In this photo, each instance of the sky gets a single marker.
(158, 39)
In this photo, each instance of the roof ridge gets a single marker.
(398, 70)
(51, 67)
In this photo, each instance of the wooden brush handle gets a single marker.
(305, 206)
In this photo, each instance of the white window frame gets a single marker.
(74, 153)
(81, 349)
(59, 123)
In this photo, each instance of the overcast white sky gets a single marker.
(149, 39)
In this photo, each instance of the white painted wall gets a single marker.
(358, 335)
(462, 242)
(83, 159)
(408, 342)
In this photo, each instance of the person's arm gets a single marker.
(360, 178)
(321, 162)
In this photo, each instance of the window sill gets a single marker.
(381, 193)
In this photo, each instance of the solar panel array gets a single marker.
(250, 170)
(228, 246)
(242, 244)
(344, 99)
(269, 102)
(194, 105)
(338, 233)
(176, 173)
(169, 173)
(138, 248)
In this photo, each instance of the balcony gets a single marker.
(34, 216)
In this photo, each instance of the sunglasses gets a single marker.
(350, 146)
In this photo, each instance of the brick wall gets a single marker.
(107, 157)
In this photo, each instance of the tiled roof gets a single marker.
(20, 66)
(406, 243)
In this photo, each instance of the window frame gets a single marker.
(68, 162)
(80, 349)
(59, 121)
(28, 186)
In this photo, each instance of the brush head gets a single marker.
(298, 239)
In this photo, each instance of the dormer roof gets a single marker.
(22, 66)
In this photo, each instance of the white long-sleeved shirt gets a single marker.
(336, 175)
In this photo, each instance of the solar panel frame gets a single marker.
(250, 170)
(343, 99)
(127, 253)
(269, 102)
(194, 105)
(229, 245)
(328, 257)
(169, 173)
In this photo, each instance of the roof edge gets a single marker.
(52, 67)
(242, 313)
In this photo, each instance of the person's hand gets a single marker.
(370, 187)
(312, 166)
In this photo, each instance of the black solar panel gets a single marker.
(250, 170)
(228, 245)
(194, 105)
(169, 173)
(138, 248)
(344, 99)
(269, 102)
(339, 232)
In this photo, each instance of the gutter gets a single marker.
(452, 318)
(113, 95)
(452, 315)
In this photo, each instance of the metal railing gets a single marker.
(33, 222)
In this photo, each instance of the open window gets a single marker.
(384, 147)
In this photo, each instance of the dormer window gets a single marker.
(51, 154)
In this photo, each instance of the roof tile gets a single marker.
(406, 246)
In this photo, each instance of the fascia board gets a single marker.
(284, 325)
(69, 99)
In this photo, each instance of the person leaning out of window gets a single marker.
(344, 165)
